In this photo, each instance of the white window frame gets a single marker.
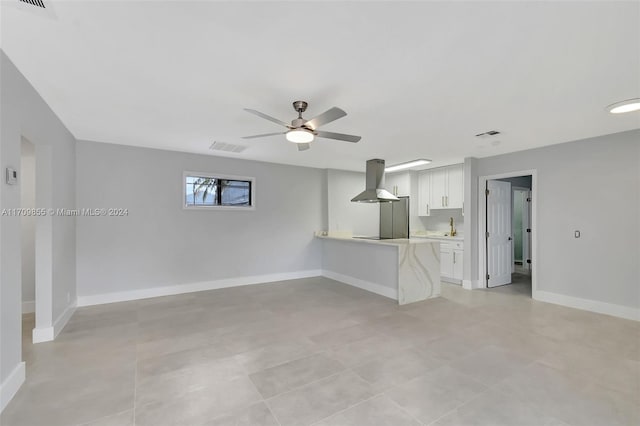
(218, 176)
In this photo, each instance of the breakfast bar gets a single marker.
(407, 270)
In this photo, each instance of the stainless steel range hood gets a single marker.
(374, 192)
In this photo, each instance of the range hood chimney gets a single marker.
(374, 192)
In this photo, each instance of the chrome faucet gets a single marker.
(452, 232)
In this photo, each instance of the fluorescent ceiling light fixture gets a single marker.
(407, 165)
(624, 106)
(299, 136)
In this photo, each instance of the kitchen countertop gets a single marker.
(389, 242)
(439, 237)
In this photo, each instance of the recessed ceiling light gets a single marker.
(407, 165)
(625, 106)
(299, 136)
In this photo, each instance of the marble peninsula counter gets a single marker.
(407, 270)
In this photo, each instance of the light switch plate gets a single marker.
(576, 234)
(12, 176)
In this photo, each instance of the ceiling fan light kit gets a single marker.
(299, 136)
(302, 131)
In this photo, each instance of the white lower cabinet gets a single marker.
(446, 260)
(457, 264)
(451, 261)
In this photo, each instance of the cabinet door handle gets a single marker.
(446, 199)
(427, 209)
(454, 257)
(442, 201)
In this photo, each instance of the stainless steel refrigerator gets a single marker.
(394, 219)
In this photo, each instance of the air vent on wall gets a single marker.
(227, 147)
(38, 3)
(489, 133)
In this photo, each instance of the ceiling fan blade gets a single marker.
(303, 146)
(338, 136)
(326, 117)
(263, 135)
(267, 117)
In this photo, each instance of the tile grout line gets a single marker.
(266, 403)
(401, 408)
(101, 418)
(345, 409)
(282, 363)
(375, 395)
(303, 385)
(488, 389)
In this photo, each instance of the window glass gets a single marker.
(203, 191)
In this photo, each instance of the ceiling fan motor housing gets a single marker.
(298, 122)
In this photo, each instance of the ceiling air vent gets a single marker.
(489, 133)
(38, 3)
(227, 147)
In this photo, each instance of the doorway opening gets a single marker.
(28, 231)
(508, 230)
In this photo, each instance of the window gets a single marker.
(203, 190)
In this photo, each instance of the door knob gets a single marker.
(509, 238)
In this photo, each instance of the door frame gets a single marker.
(525, 236)
(482, 226)
(44, 321)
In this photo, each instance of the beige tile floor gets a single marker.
(316, 351)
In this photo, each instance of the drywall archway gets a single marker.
(44, 330)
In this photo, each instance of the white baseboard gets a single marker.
(472, 284)
(365, 285)
(588, 305)
(29, 307)
(48, 334)
(9, 387)
(42, 334)
(123, 296)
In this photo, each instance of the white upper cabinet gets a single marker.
(441, 188)
(424, 202)
(438, 193)
(398, 184)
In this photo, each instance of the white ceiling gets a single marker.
(417, 79)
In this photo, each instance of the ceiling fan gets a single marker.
(302, 131)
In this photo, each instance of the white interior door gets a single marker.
(499, 239)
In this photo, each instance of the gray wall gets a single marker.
(23, 113)
(345, 216)
(160, 244)
(592, 185)
(28, 223)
